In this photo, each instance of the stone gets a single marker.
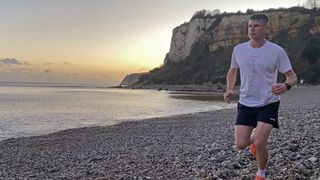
(313, 159)
(203, 173)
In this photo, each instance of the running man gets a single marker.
(259, 62)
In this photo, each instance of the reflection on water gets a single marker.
(28, 111)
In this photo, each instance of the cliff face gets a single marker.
(131, 79)
(186, 36)
(201, 49)
(227, 31)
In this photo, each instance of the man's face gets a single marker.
(257, 29)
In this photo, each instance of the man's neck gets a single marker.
(257, 43)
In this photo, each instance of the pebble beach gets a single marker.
(192, 146)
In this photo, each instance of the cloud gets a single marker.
(67, 63)
(47, 71)
(14, 66)
(21, 70)
(13, 61)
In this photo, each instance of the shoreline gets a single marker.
(186, 146)
(184, 88)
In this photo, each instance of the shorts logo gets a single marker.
(272, 119)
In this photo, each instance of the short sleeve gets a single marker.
(283, 62)
(234, 63)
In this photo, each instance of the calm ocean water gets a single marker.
(28, 111)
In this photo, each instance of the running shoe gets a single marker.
(252, 150)
(259, 178)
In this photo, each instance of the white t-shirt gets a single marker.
(258, 71)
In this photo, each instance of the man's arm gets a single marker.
(291, 77)
(231, 80)
(280, 88)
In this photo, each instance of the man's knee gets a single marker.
(260, 144)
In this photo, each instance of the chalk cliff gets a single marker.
(229, 30)
(201, 49)
(131, 79)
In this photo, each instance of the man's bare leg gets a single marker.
(242, 136)
(260, 139)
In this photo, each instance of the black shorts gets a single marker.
(250, 116)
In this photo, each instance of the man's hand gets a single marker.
(279, 88)
(227, 96)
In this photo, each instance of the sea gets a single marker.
(38, 109)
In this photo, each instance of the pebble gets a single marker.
(313, 159)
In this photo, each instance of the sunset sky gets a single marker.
(95, 41)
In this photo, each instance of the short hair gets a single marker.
(260, 16)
